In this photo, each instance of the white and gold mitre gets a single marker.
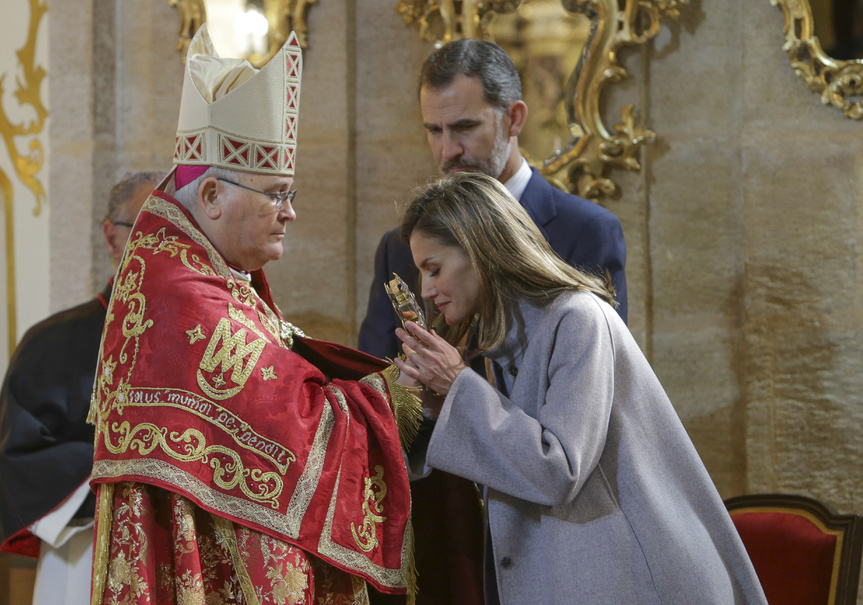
(235, 116)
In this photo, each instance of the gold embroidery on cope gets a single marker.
(359, 563)
(268, 373)
(238, 316)
(373, 511)
(195, 334)
(118, 399)
(160, 242)
(216, 415)
(234, 350)
(308, 481)
(191, 446)
(202, 490)
(108, 367)
(224, 530)
(168, 211)
(288, 331)
(242, 292)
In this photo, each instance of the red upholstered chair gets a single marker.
(802, 550)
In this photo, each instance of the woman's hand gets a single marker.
(404, 379)
(430, 358)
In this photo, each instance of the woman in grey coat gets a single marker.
(595, 494)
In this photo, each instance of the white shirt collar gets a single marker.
(240, 274)
(517, 183)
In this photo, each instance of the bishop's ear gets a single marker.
(208, 197)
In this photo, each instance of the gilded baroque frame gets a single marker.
(290, 15)
(835, 79)
(582, 166)
(27, 165)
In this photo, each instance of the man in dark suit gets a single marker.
(46, 446)
(470, 97)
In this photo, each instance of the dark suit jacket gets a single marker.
(46, 445)
(582, 232)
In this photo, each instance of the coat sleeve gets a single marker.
(484, 436)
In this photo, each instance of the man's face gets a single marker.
(250, 230)
(117, 233)
(465, 133)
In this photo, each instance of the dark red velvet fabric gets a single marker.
(792, 556)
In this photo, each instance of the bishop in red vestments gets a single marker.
(238, 461)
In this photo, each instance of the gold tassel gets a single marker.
(407, 407)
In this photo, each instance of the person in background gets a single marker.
(238, 461)
(594, 492)
(46, 446)
(470, 98)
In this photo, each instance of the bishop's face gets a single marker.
(251, 229)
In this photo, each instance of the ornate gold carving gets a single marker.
(373, 512)
(233, 352)
(284, 16)
(26, 165)
(836, 80)
(581, 165)
(191, 446)
(291, 15)
(192, 16)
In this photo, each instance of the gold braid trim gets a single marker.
(102, 546)
(407, 407)
(412, 573)
(225, 532)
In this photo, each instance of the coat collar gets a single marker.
(522, 318)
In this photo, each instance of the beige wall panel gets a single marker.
(392, 153)
(70, 71)
(695, 72)
(802, 328)
(313, 282)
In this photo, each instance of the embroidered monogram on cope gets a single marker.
(198, 393)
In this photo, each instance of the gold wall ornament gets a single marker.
(284, 16)
(835, 79)
(587, 149)
(28, 164)
(192, 16)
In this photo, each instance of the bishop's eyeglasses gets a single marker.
(278, 199)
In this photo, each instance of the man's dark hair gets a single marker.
(122, 191)
(501, 85)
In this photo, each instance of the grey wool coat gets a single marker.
(596, 495)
